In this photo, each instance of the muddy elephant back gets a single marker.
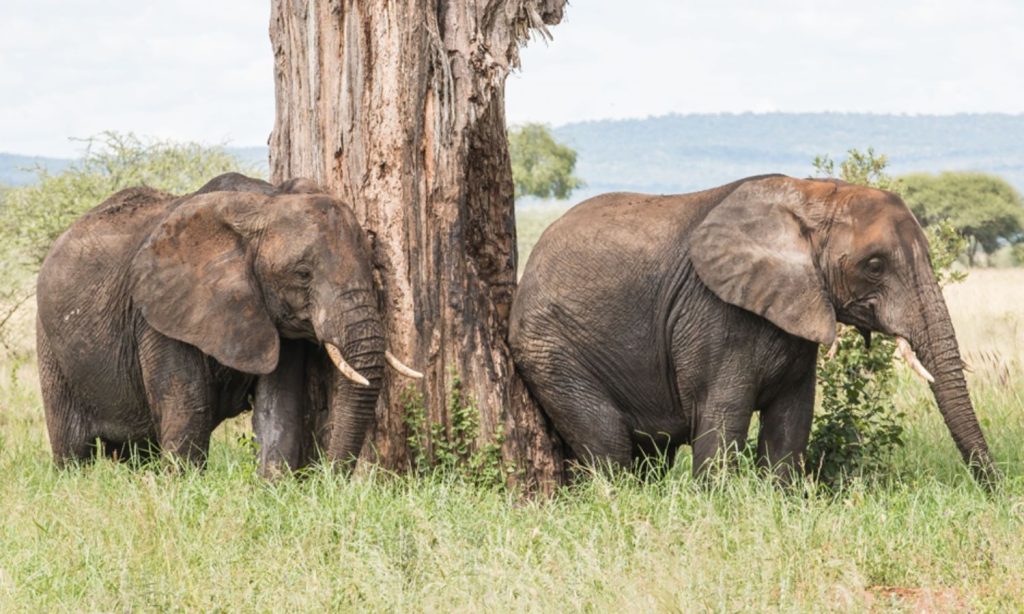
(97, 246)
(78, 292)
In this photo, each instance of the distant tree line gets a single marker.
(985, 209)
(683, 153)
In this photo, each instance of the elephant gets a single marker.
(644, 322)
(159, 317)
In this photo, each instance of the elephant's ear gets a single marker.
(193, 281)
(753, 250)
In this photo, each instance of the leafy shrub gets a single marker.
(861, 168)
(857, 425)
(454, 451)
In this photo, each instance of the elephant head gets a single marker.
(232, 272)
(805, 254)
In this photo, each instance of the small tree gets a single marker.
(541, 166)
(858, 424)
(984, 208)
(867, 168)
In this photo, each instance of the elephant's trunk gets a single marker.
(937, 348)
(352, 403)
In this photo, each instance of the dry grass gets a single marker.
(988, 313)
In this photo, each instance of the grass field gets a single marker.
(106, 537)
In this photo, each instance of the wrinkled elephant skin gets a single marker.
(645, 322)
(160, 315)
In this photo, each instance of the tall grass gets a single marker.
(109, 537)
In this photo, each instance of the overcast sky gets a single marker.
(202, 70)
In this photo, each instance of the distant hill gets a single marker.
(16, 169)
(680, 153)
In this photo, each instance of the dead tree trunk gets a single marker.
(398, 109)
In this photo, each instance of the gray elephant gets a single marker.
(160, 315)
(645, 322)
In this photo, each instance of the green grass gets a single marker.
(107, 537)
(530, 223)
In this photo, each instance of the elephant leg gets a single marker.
(785, 429)
(70, 437)
(180, 393)
(593, 427)
(279, 415)
(582, 412)
(722, 426)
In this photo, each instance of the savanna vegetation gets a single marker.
(986, 209)
(910, 530)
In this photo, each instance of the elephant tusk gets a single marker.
(832, 349)
(907, 353)
(344, 367)
(401, 368)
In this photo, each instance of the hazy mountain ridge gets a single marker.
(680, 153)
(16, 169)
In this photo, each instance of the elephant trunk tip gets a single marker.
(984, 470)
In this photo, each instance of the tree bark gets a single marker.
(398, 109)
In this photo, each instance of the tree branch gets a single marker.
(9, 314)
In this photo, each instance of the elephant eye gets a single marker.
(304, 274)
(875, 265)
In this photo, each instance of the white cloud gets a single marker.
(874, 55)
(186, 70)
(203, 70)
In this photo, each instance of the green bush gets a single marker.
(861, 168)
(452, 452)
(857, 424)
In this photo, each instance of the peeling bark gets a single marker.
(398, 109)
